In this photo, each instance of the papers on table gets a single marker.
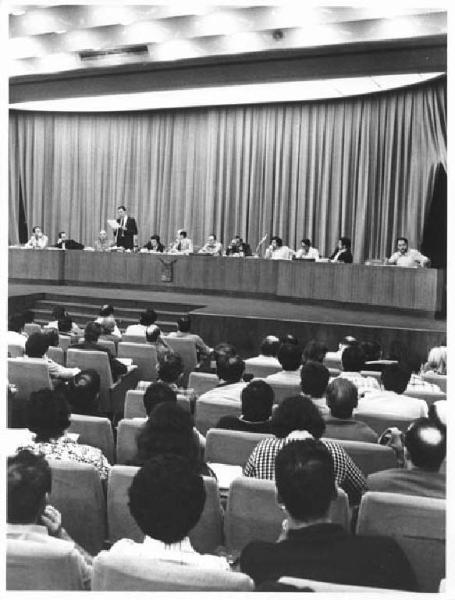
(225, 474)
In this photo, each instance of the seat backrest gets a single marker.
(57, 354)
(380, 422)
(439, 380)
(109, 344)
(15, 350)
(134, 404)
(33, 565)
(332, 362)
(209, 412)
(325, 586)
(202, 382)
(94, 359)
(375, 374)
(187, 350)
(28, 375)
(113, 573)
(128, 431)
(369, 457)
(64, 341)
(134, 339)
(260, 370)
(143, 355)
(78, 494)
(253, 513)
(231, 447)
(429, 397)
(417, 524)
(30, 328)
(205, 537)
(284, 390)
(94, 431)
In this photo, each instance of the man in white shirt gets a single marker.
(276, 250)
(183, 332)
(229, 370)
(183, 244)
(347, 341)
(268, 351)
(353, 361)
(212, 247)
(15, 335)
(38, 239)
(407, 257)
(30, 518)
(166, 499)
(390, 400)
(306, 251)
(290, 359)
(147, 318)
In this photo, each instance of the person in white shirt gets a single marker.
(407, 257)
(182, 245)
(36, 347)
(212, 247)
(230, 370)
(353, 361)
(391, 400)
(166, 500)
(183, 332)
(276, 250)
(347, 341)
(106, 320)
(268, 351)
(290, 359)
(38, 239)
(15, 335)
(147, 318)
(306, 251)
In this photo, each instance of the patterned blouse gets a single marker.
(65, 448)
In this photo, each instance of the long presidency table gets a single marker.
(374, 286)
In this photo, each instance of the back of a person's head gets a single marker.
(166, 498)
(156, 393)
(107, 325)
(437, 360)
(92, 332)
(222, 350)
(395, 378)
(297, 413)
(36, 345)
(305, 479)
(270, 345)
(83, 395)
(184, 324)
(371, 350)
(257, 401)
(353, 358)
(170, 367)
(230, 368)
(314, 351)
(289, 338)
(106, 310)
(349, 340)
(152, 333)
(88, 380)
(314, 377)
(425, 443)
(52, 336)
(65, 324)
(58, 312)
(413, 361)
(29, 480)
(29, 316)
(148, 317)
(47, 414)
(16, 323)
(290, 357)
(342, 397)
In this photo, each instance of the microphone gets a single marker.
(260, 243)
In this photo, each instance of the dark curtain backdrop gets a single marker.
(362, 167)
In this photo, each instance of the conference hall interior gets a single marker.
(227, 297)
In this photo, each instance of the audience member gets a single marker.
(391, 400)
(347, 341)
(353, 361)
(108, 332)
(229, 370)
(424, 451)
(437, 361)
(314, 378)
(184, 332)
(91, 336)
(59, 314)
(373, 357)
(257, 401)
(298, 418)
(268, 351)
(166, 499)
(106, 315)
(170, 371)
(290, 359)
(31, 518)
(156, 393)
(147, 318)
(289, 338)
(314, 351)
(83, 395)
(48, 417)
(36, 347)
(342, 398)
(154, 338)
(52, 337)
(15, 335)
(312, 547)
(417, 383)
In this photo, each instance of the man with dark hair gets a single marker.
(290, 359)
(156, 393)
(276, 250)
(310, 546)
(342, 398)
(36, 347)
(183, 244)
(314, 351)
(166, 500)
(257, 401)
(15, 335)
(417, 383)
(406, 257)
(268, 351)
(314, 378)
(212, 247)
(425, 450)
(342, 252)
(353, 361)
(30, 518)
(91, 336)
(65, 243)
(170, 371)
(230, 370)
(108, 324)
(184, 332)
(126, 231)
(391, 400)
(238, 247)
(147, 318)
(306, 251)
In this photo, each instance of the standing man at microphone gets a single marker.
(126, 230)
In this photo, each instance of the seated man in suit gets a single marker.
(91, 335)
(65, 243)
(424, 451)
(31, 518)
(342, 252)
(238, 247)
(166, 499)
(312, 547)
(290, 359)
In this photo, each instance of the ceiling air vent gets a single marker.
(124, 52)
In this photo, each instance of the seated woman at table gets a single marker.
(154, 245)
(38, 239)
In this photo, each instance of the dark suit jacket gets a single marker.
(117, 368)
(326, 552)
(345, 256)
(231, 422)
(148, 245)
(70, 245)
(126, 238)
